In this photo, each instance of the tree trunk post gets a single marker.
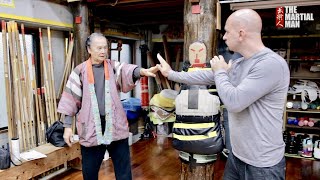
(199, 26)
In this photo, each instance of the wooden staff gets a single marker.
(23, 89)
(152, 63)
(35, 94)
(11, 128)
(50, 59)
(49, 109)
(67, 66)
(29, 98)
(24, 92)
(45, 95)
(41, 128)
(16, 87)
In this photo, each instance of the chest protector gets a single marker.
(197, 127)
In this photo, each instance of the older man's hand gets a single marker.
(164, 67)
(149, 72)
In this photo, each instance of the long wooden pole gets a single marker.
(49, 109)
(35, 96)
(7, 83)
(22, 88)
(67, 65)
(16, 88)
(42, 126)
(50, 58)
(29, 99)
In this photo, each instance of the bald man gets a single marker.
(254, 90)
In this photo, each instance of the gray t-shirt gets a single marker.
(254, 92)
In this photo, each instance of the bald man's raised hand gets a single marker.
(164, 67)
(218, 63)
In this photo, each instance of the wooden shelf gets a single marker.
(302, 127)
(302, 77)
(305, 61)
(304, 111)
(293, 36)
(297, 156)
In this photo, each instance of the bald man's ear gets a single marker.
(241, 34)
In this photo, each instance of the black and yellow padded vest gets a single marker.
(197, 126)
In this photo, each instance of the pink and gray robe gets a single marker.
(79, 99)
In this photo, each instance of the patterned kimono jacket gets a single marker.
(79, 99)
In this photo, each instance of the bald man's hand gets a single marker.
(218, 63)
(164, 67)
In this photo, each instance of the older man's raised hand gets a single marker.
(164, 67)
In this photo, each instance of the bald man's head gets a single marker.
(246, 19)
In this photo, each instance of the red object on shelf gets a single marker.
(144, 92)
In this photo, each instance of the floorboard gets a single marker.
(155, 159)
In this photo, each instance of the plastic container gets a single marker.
(132, 107)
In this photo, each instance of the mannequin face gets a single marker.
(197, 53)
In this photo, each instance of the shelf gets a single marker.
(305, 61)
(302, 127)
(297, 156)
(293, 36)
(168, 40)
(315, 111)
(302, 77)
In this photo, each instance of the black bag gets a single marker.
(54, 134)
(4, 159)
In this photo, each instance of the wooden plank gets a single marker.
(56, 156)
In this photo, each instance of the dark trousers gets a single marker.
(236, 169)
(118, 151)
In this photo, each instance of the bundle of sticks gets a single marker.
(31, 107)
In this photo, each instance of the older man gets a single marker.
(91, 93)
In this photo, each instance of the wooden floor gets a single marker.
(155, 159)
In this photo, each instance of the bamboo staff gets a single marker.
(49, 109)
(23, 89)
(50, 59)
(35, 94)
(29, 98)
(67, 66)
(41, 122)
(16, 87)
(45, 95)
(11, 129)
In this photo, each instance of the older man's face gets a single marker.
(98, 49)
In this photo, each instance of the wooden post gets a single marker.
(201, 27)
(81, 30)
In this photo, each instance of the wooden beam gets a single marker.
(81, 31)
